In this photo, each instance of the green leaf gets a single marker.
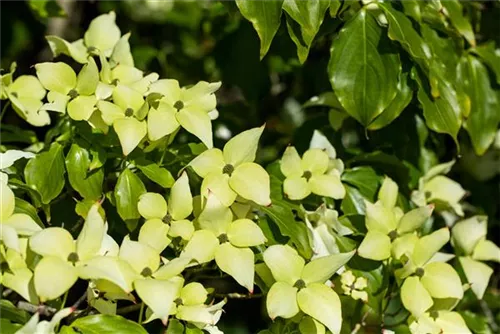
(45, 173)
(88, 184)
(365, 179)
(309, 16)
(175, 327)
(127, 192)
(443, 113)
(282, 215)
(459, 21)
(10, 312)
(25, 207)
(334, 7)
(490, 56)
(412, 9)
(397, 105)
(104, 324)
(484, 117)
(353, 202)
(401, 30)
(265, 17)
(363, 70)
(477, 323)
(155, 173)
(45, 9)
(9, 327)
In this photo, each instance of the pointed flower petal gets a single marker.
(291, 164)
(251, 182)
(321, 269)
(285, 263)
(323, 304)
(245, 233)
(152, 205)
(242, 147)
(281, 301)
(237, 262)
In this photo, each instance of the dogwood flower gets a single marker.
(13, 225)
(309, 174)
(26, 94)
(469, 239)
(101, 37)
(440, 190)
(191, 307)
(186, 107)
(58, 270)
(353, 286)
(429, 279)
(126, 114)
(439, 322)
(166, 220)
(226, 241)
(232, 172)
(300, 286)
(34, 325)
(19, 276)
(67, 91)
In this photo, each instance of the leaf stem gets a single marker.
(141, 313)
(65, 298)
(4, 109)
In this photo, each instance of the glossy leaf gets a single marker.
(482, 122)
(155, 173)
(362, 70)
(45, 173)
(105, 324)
(88, 184)
(283, 217)
(309, 16)
(265, 17)
(128, 189)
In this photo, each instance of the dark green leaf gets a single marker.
(10, 312)
(397, 105)
(327, 99)
(365, 179)
(8, 327)
(175, 327)
(490, 56)
(353, 202)
(155, 173)
(459, 21)
(25, 207)
(477, 323)
(87, 184)
(412, 9)
(388, 164)
(363, 71)
(45, 173)
(265, 17)
(282, 215)
(309, 16)
(442, 114)
(334, 7)
(104, 324)
(401, 30)
(127, 192)
(45, 9)
(12, 133)
(482, 122)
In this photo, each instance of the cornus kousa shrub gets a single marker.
(128, 219)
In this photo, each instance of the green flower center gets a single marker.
(73, 258)
(129, 112)
(300, 284)
(72, 94)
(167, 219)
(228, 169)
(223, 238)
(420, 272)
(92, 49)
(307, 174)
(393, 235)
(178, 301)
(146, 272)
(115, 82)
(179, 105)
(434, 314)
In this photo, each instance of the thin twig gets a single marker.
(489, 316)
(128, 309)
(41, 309)
(235, 295)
